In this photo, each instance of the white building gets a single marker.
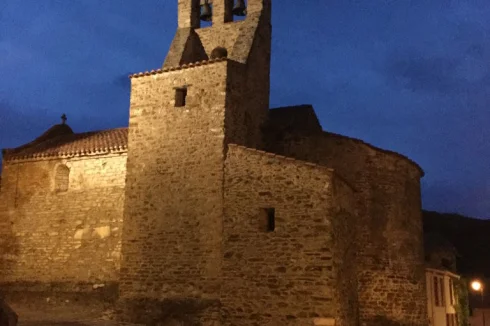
(441, 297)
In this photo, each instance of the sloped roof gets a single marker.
(181, 67)
(302, 119)
(294, 118)
(60, 140)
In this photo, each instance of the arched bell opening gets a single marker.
(234, 10)
(239, 10)
(206, 13)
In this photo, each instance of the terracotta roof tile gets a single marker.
(72, 144)
(184, 66)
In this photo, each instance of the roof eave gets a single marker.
(40, 157)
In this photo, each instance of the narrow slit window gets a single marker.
(268, 219)
(180, 97)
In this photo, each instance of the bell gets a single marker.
(206, 12)
(240, 9)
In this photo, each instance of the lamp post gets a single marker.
(476, 285)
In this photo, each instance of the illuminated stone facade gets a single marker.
(211, 209)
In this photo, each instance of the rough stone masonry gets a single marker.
(212, 209)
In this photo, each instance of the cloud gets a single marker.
(418, 73)
(447, 75)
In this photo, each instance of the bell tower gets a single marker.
(236, 36)
(246, 44)
(213, 90)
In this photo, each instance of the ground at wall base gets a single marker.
(41, 312)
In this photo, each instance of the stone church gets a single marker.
(211, 208)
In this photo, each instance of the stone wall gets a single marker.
(71, 236)
(172, 242)
(174, 198)
(248, 85)
(389, 227)
(303, 269)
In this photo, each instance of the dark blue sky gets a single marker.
(410, 76)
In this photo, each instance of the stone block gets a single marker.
(324, 321)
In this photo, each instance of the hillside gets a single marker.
(470, 236)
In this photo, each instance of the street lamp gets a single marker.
(477, 286)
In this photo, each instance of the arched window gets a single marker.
(61, 178)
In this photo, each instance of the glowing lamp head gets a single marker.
(476, 285)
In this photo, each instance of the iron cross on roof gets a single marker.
(63, 118)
